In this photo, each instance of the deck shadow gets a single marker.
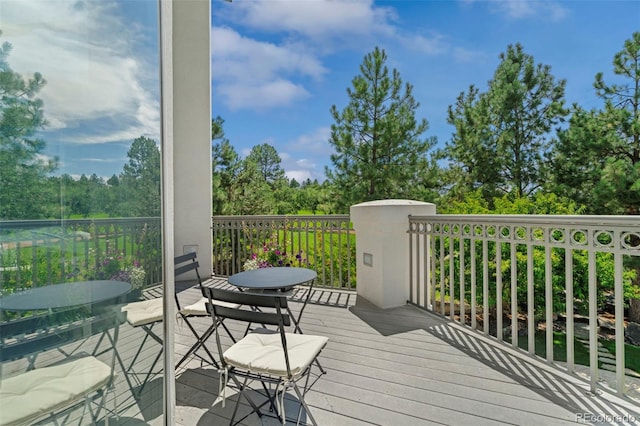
(560, 388)
(198, 387)
(398, 320)
(324, 296)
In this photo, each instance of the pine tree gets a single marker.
(379, 153)
(502, 135)
(597, 159)
(23, 171)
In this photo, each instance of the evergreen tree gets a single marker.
(379, 153)
(268, 161)
(279, 197)
(23, 171)
(502, 135)
(471, 149)
(597, 159)
(79, 197)
(140, 180)
(225, 165)
(251, 195)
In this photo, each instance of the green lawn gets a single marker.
(581, 352)
(631, 354)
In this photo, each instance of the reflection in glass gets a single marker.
(80, 230)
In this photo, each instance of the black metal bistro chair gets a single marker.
(148, 313)
(50, 394)
(272, 357)
(183, 264)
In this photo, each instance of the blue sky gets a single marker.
(278, 66)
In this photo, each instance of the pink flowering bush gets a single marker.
(271, 255)
(115, 266)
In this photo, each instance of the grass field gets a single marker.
(581, 352)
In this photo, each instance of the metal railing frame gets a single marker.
(440, 243)
(77, 236)
(327, 244)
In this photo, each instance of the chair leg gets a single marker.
(303, 404)
(146, 379)
(200, 344)
(235, 409)
(242, 387)
(129, 370)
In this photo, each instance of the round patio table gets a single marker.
(277, 278)
(280, 279)
(65, 295)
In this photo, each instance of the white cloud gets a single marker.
(259, 74)
(521, 9)
(97, 84)
(236, 55)
(261, 95)
(460, 54)
(320, 20)
(427, 45)
(299, 175)
(254, 74)
(104, 160)
(315, 142)
(300, 169)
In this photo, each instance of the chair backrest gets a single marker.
(264, 300)
(185, 263)
(275, 301)
(56, 335)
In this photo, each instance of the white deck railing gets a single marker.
(325, 243)
(560, 269)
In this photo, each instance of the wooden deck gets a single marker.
(404, 366)
(399, 366)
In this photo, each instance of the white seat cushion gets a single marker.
(28, 396)
(263, 353)
(200, 309)
(144, 312)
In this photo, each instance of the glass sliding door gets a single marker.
(80, 209)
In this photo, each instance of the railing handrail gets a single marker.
(37, 223)
(517, 219)
(219, 218)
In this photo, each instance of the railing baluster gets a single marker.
(474, 294)
(414, 273)
(427, 269)
(18, 262)
(569, 325)
(485, 285)
(461, 269)
(514, 291)
(548, 296)
(452, 278)
(498, 288)
(530, 298)
(619, 312)
(593, 317)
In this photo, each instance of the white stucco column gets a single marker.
(192, 130)
(382, 249)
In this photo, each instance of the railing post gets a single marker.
(382, 249)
